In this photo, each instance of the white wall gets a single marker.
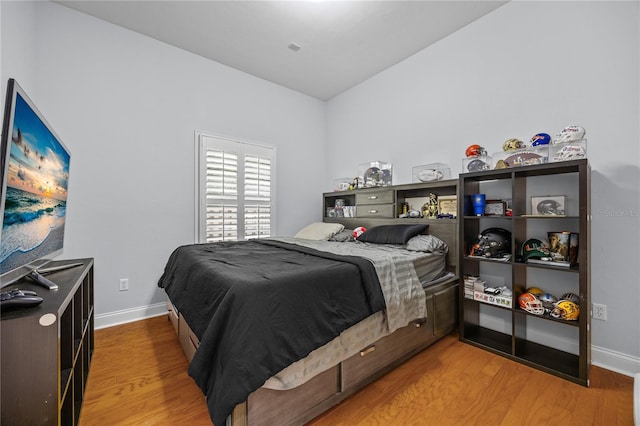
(127, 107)
(18, 42)
(528, 67)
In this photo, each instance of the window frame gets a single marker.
(204, 141)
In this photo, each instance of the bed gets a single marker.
(310, 323)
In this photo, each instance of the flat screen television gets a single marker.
(35, 177)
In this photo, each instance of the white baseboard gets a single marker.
(602, 357)
(615, 361)
(129, 315)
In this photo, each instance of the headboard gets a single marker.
(445, 229)
(382, 206)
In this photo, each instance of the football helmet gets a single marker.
(531, 304)
(492, 242)
(511, 144)
(372, 177)
(566, 310)
(540, 139)
(548, 301)
(386, 177)
(535, 291)
(572, 297)
(534, 249)
(477, 165)
(569, 152)
(570, 134)
(475, 150)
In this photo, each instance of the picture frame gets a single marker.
(448, 204)
(564, 246)
(548, 205)
(495, 208)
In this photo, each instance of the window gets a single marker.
(236, 189)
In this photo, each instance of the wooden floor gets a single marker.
(138, 377)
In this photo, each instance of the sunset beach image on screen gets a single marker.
(36, 191)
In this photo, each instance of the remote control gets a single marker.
(45, 282)
(19, 298)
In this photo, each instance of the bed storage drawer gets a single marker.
(445, 310)
(275, 407)
(375, 210)
(173, 315)
(384, 352)
(188, 340)
(374, 197)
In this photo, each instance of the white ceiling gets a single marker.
(342, 43)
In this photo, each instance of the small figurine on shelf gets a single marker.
(355, 183)
(430, 209)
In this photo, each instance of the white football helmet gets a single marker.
(569, 152)
(570, 134)
(531, 304)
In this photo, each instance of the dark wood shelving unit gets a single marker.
(513, 332)
(47, 349)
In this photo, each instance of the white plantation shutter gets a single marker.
(257, 196)
(221, 195)
(235, 190)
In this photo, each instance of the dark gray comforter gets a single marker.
(259, 305)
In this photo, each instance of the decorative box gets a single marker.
(572, 150)
(342, 184)
(521, 157)
(492, 299)
(476, 164)
(431, 172)
(476, 289)
(375, 173)
(471, 285)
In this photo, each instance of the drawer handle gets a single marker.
(373, 197)
(367, 351)
(373, 211)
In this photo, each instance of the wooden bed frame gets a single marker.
(301, 404)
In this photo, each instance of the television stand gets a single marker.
(36, 275)
(46, 350)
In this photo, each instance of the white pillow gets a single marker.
(319, 231)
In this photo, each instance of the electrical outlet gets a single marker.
(124, 284)
(599, 311)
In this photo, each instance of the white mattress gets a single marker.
(427, 269)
